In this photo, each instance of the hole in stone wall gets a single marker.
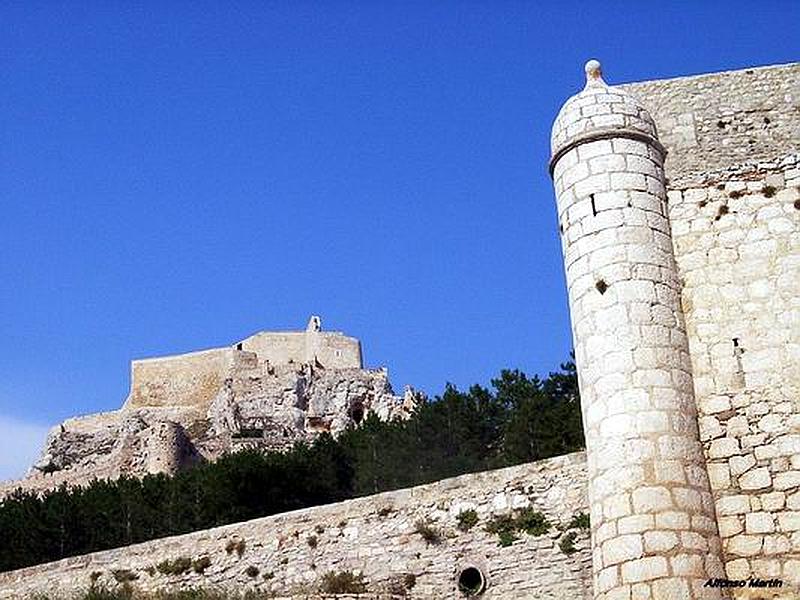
(768, 191)
(721, 124)
(357, 412)
(594, 208)
(723, 210)
(248, 433)
(471, 581)
(601, 286)
(797, 204)
(738, 377)
(766, 121)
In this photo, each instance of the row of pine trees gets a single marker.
(519, 419)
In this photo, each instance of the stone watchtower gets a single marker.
(654, 531)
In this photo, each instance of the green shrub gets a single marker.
(201, 564)
(237, 546)
(179, 566)
(467, 519)
(579, 521)
(429, 533)
(343, 582)
(506, 538)
(500, 523)
(124, 575)
(532, 522)
(567, 543)
(527, 520)
(252, 571)
(409, 580)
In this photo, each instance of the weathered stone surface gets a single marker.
(720, 319)
(375, 536)
(246, 400)
(631, 349)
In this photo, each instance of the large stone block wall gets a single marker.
(336, 350)
(376, 536)
(330, 349)
(186, 380)
(277, 347)
(737, 242)
(710, 122)
(193, 379)
(734, 206)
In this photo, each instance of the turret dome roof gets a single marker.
(599, 111)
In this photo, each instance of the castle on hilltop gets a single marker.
(678, 209)
(267, 391)
(194, 379)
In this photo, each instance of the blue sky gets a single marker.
(175, 176)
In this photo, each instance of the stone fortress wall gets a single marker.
(733, 172)
(716, 121)
(733, 217)
(376, 536)
(193, 379)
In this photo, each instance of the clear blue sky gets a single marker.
(178, 175)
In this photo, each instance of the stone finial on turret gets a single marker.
(594, 74)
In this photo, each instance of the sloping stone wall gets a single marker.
(376, 536)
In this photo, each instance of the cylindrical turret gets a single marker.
(654, 531)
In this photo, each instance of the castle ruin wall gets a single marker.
(193, 379)
(185, 380)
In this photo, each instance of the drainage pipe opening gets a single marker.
(471, 581)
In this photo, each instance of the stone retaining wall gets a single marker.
(377, 536)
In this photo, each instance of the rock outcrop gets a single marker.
(247, 401)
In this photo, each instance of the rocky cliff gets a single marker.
(255, 403)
